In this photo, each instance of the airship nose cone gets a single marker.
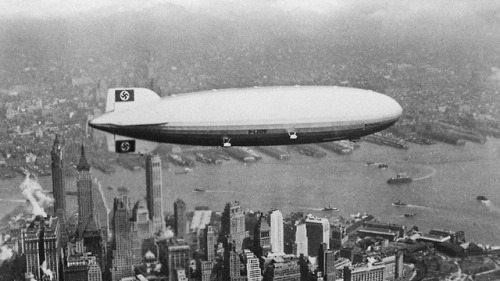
(394, 108)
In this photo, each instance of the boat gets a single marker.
(339, 147)
(383, 166)
(400, 178)
(180, 160)
(482, 198)
(123, 189)
(409, 215)
(184, 171)
(387, 139)
(240, 154)
(199, 190)
(330, 209)
(399, 203)
(274, 152)
(309, 150)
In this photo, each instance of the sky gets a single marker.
(402, 9)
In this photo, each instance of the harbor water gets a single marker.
(446, 181)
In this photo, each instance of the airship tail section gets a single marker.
(124, 98)
(122, 144)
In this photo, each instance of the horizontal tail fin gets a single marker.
(122, 144)
(123, 98)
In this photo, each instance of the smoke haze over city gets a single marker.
(440, 60)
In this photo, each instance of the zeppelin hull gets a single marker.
(248, 136)
(247, 117)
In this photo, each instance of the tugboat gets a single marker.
(400, 178)
(383, 166)
(199, 190)
(123, 189)
(330, 209)
(399, 203)
(482, 198)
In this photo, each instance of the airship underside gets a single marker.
(247, 117)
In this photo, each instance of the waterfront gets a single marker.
(447, 180)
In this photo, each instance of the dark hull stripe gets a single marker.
(247, 137)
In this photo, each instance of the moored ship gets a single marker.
(274, 152)
(399, 203)
(309, 150)
(387, 139)
(239, 154)
(330, 209)
(207, 158)
(400, 178)
(181, 160)
(339, 147)
(481, 198)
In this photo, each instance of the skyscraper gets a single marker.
(89, 227)
(140, 217)
(84, 191)
(262, 237)
(79, 265)
(326, 263)
(301, 241)
(208, 245)
(42, 246)
(180, 218)
(232, 263)
(126, 245)
(253, 269)
(233, 224)
(210, 242)
(277, 244)
(318, 232)
(154, 191)
(59, 190)
(178, 255)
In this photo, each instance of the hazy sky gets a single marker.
(378, 8)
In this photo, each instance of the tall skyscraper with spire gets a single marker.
(277, 237)
(59, 190)
(180, 218)
(89, 227)
(84, 191)
(154, 191)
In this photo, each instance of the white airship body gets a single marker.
(245, 117)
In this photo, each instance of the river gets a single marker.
(447, 180)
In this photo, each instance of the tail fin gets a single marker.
(122, 144)
(123, 98)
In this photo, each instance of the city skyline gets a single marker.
(416, 201)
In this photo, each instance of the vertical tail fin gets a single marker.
(123, 98)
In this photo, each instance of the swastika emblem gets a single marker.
(125, 146)
(124, 95)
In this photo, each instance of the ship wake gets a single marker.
(12, 200)
(432, 173)
(491, 206)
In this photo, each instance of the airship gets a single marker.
(137, 119)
